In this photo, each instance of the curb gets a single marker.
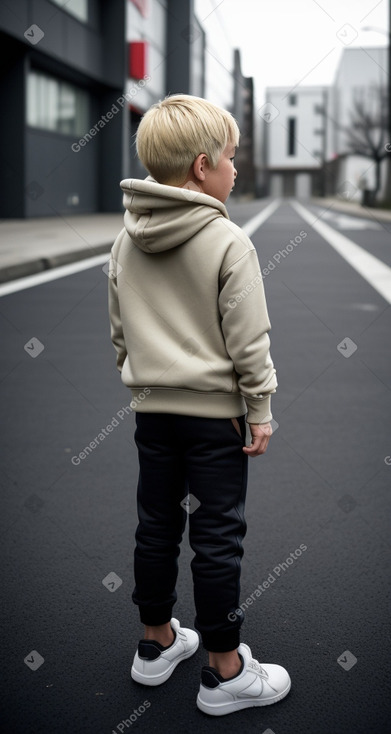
(40, 264)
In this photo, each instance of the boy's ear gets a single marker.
(200, 166)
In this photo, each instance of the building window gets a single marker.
(292, 100)
(56, 105)
(78, 8)
(291, 136)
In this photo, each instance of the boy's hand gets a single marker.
(261, 433)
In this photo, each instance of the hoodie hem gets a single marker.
(188, 402)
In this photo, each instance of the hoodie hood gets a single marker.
(160, 217)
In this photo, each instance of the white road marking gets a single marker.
(253, 224)
(375, 272)
(91, 262)
(52, 274)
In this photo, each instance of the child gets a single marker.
(189, 323)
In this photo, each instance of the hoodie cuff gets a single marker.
(259, 409)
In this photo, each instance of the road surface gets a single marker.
(318, 503)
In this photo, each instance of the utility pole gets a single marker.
(324, 142)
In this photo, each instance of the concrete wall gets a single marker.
(276, 184)
(303, 185)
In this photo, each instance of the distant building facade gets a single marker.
(243, 110)
(295, 139)
(306, 134)
(361, 74)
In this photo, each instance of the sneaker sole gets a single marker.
(156, 680)
(222, 709)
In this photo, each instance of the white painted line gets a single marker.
(375, 272)
(253, 224)
(91, 262)
(52, 274)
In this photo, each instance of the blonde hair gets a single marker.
(174, 131)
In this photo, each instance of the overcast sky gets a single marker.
(284, 42)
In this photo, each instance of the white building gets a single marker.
(295, 139)
(306, 130)
(360, 75)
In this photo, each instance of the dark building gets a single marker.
(243, 111)
(77, 76)
(62, 77)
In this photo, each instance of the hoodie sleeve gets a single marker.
(245, 325)
(116, 333)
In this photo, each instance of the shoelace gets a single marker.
(255, 665)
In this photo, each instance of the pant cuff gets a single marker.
(223, 642)
(155, 616)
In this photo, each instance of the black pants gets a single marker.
(203, 458)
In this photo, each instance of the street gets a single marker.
(318, 502)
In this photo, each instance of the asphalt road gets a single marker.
(324, 483)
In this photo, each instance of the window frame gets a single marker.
(66, 9)
(292, 136)
(44, 115)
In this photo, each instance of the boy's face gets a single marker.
(220, 181)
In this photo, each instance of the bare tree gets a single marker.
(367, 133)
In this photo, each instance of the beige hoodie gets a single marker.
(187, 307)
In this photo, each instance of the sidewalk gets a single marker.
(29, 246)
(353, 207)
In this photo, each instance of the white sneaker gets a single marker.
(255, 685)
(153, 663)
